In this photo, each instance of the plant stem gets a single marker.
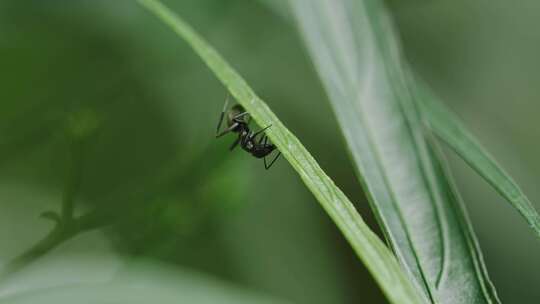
(59, 234)
(73, 180)
(64, 231)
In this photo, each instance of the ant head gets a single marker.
(235, 111)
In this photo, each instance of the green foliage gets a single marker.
(107, 131)
(377, 258)
(356, 54)
(143, 282)
(448, 128)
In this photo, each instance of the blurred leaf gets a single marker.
(378, 259)
(141, 283)
(280, 7)
(450, 129)
(357, 56)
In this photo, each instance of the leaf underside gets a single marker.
(356, 54)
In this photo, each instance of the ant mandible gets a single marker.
(238, 122)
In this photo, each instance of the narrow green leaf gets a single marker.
(369, 248)
(355, 51)
(450, 129)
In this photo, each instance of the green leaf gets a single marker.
(369, 248)
(450, 129)
(355, 51)
(144, 282)
(280, 7)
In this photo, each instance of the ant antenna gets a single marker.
(223, 112)
(226, 102)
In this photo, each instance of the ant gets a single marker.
(238, 122)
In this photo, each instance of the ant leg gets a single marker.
(229, 129)
(222, 114)
(264, 140)
(240, 115)
(273, 161)
(260, 131)
(275, 158)
(235, 143)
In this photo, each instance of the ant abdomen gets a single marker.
(262, 150)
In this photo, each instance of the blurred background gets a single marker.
(99, 98)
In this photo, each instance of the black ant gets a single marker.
(238, 122)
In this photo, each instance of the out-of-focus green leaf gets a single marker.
(450, 129)
(280, 7)
(371, 250)
(143, 282)
(355, 51)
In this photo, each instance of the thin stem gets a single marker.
(65, 225)
(53, 239)
(169, 174)
(73, 180)
(59, 234)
